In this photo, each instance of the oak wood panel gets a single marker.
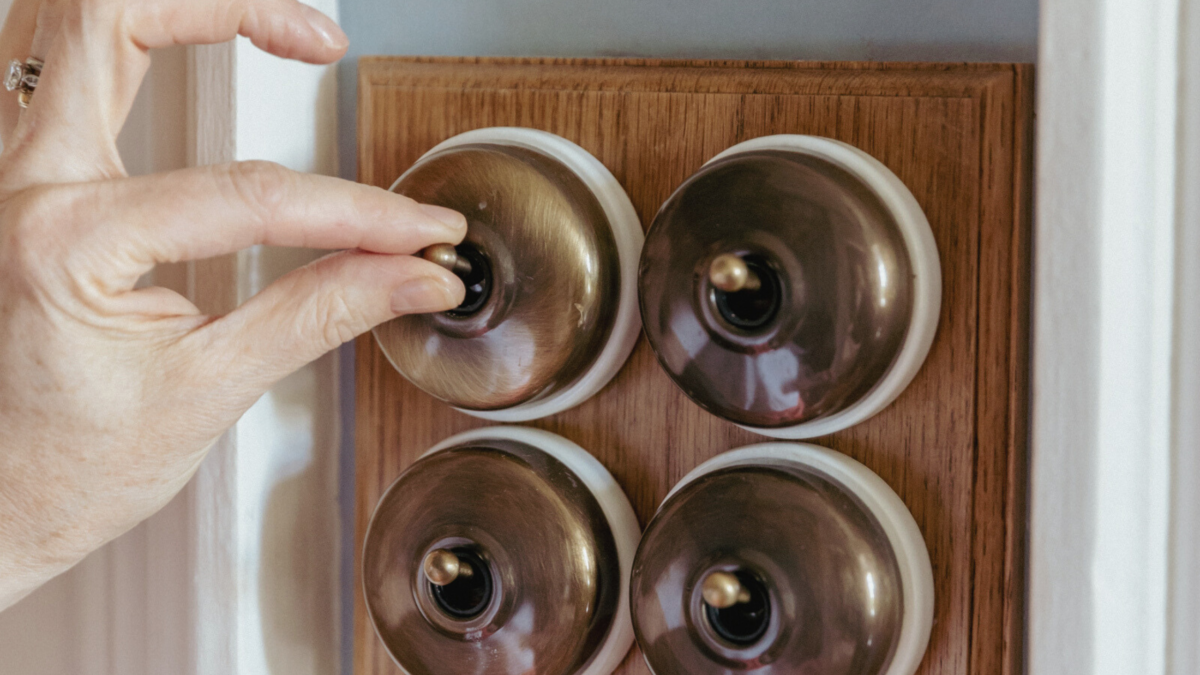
(953, 445)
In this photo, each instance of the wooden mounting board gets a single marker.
(953, 446)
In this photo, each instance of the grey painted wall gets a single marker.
(891, 30)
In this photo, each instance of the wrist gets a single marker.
(32, 549)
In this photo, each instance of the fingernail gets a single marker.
(421, 296)
(448, 217)
(331, 34)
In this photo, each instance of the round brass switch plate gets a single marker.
(782, 558)
(792, 286)
(529, 542)
(551, 313)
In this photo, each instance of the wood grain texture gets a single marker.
(953, 446)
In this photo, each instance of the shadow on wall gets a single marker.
(293, 435)
(298, 573)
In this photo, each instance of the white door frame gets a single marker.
(241, 574)
(264, 511)
(1116, 374)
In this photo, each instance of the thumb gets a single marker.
(316, 308)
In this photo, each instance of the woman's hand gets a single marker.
(110, 396)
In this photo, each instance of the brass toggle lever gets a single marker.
(723, 590)
(443, 567)
(731, 274)
(446, 256)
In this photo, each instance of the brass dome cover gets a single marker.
(844, 278)
(545, 560)
(548, 235)
(824, 588)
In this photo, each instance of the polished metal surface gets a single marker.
(825, 593)
(834, 304)
(553, 284)
(547, 576)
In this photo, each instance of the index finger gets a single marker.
(285, 28)
(204, 212)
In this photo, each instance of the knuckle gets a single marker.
(336, 321)
(382, 206)
(262, 186)
(325, 318)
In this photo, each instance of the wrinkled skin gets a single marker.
(111, 396)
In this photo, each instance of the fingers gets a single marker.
(318, 307)
(15, 40)
(97, 55)
(285, 28)
(209, 211)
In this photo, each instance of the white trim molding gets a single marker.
(1183, 615)
(264, 510)
(1115, 367)
(240, 574)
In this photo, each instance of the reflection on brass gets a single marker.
(445, 256)
(723, 590)
(442, 567)
(552, 558)
(555, 283)
(730, 273)
(837, 261)
(828, 571)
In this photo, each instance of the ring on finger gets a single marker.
(23, 78)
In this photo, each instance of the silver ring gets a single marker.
(23, 78)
